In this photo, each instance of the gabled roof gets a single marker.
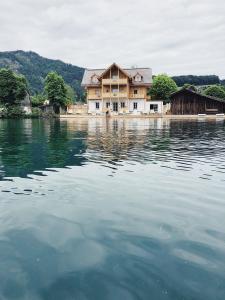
(94, 75)
(146, 74)
(115, 65)
(137, 74)
(198, 94)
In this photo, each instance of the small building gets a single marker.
(189, 102)
(120, 91)
(48, 108)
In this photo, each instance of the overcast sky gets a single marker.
(171, 36)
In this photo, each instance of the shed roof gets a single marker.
(198, 94)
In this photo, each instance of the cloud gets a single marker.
(173, 36)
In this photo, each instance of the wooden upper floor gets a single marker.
(116, 82)
(126, 92)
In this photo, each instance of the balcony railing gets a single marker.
(93, 96)
(118, 95)
(138, 96)
(114, 81)
(115, 95)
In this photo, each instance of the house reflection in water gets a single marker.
(114, 140)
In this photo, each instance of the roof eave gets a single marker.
(198, 94)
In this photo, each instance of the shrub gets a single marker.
(36, 112)
(215, 91)
(13, 112)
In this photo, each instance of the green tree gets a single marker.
(189, 87)
(21, 87)
(71, 96)
(38, 100)
(55, 89)
(163, 86)
(215, 91)
(222, 87)
(13, 87)
(83, 97)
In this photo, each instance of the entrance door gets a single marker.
(115, 106)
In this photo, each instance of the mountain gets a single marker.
(35, 68)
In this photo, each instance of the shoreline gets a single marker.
(193, 117)
(73, 117)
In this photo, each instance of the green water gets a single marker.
(124, 209)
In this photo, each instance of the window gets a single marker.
(154, 107)
(114, 90)
(135, 105)
(94, 79)
(135, 92)
(115, 106)
(122, 104)
(138, 78)
(97, 105)
(107, 104)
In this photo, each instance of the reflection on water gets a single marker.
(33, 146)
(118, 209)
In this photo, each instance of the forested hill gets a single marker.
(197, 80)
(35, 68)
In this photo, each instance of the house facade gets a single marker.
(120, 91)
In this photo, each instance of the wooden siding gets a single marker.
(115, 81)
(190, 103)
(141, 92)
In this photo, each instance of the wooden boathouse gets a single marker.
(189, 102)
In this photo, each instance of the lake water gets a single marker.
(118, 209)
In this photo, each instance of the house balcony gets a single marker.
(138, 96)
(115, 95)
(116, 81)
(94, 97)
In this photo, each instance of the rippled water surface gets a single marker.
(118, 209)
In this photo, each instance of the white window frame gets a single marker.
(155, 107)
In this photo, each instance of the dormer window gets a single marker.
(138, 77)
(94, 79)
